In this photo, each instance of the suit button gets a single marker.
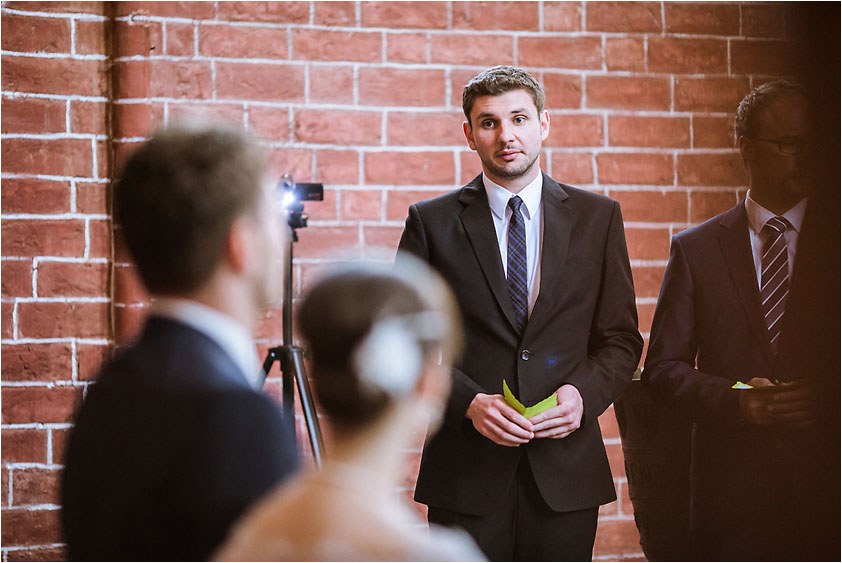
(524, 355)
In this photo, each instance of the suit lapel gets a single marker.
(476, 218)
(557, 224)
(736, 247)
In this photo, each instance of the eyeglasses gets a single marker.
(786, 146)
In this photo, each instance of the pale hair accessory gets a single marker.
(389, 359)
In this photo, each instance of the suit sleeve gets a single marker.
(673, 346)
(463, 388)
(614, 345)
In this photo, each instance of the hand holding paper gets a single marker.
(496, 420)
(563, 420)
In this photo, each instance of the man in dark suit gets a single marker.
(174, 440)
(542, 276)
(725, 314)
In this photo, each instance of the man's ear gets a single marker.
(469, 134)
(545, 125)
(746, 149)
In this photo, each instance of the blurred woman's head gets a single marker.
(375, 336)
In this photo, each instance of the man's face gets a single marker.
(783, 121)
(506, 131)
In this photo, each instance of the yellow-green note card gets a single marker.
(528, 412)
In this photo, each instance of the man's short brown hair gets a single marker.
(177, 198)
(752, 106)
(499, 80)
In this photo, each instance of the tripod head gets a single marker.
(292, 197)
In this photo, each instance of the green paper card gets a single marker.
(528, 412)
(741, 385)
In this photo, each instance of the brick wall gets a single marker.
(364, 97)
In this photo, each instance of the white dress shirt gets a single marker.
(759, 216)
(501, 213)
(234, 338)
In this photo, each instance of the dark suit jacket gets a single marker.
(582, 331)
(170, 446)
(751, 487)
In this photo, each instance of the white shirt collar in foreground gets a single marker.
(498, 196)
(759, 215)
(230, 334)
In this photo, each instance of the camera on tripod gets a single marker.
(292, 197)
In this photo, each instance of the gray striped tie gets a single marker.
(774, 277)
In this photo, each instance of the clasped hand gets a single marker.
(503, 425)
(790, 404)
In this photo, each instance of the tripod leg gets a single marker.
(310, 417)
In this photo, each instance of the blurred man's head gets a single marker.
(194, 203)
(772, 131)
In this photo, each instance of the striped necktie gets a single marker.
(516, 264)
(774, 277)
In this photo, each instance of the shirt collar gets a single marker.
(758, 215)
(228, 333)
(498, 196)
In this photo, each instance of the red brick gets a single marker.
(34, 34)
(243, 42)
(53, 76)
(91, 198)
(40, 554)
(103, 159)
(100, 238)
(180, 39)
(32, 195)
(415, 128)
(318, 241)
(87, 117)
(340, 127)
(709, 94)
(323, 45)
(573, 168)
(398, 202)
(403, 168)
(609, 510)
(33, 115)
(335, 13)
(621, 92)
(57, 320)
(406, 47)
(624, 16)
(24, 445)
(702, 18)
(90, 37)
(4, 483)
(685, 55)
(711, 170)
(647, 280)
(17, 278)
(645, 314)
(608, 424)
(60, 237)
(73, 279)
(337, 167)
(90, 358)
(270, 12)
(332, 84)
(230, 113)
(576, 52)
(8, 326)
(192, 10)
(37, 362)
(562, 16)
(653, 206)
(259, 81)
(615, 459)
(381, 242)
(138, 38)
(560, 91)
(713, 132)
(423, 15)
(636, 131)
(521, 16)
(484, 50)
(132, 79)
(31, 527)
(704, 205)
(128, 322)
(60, 157)
(625, 53)
(136, 120)
(36, 486)
(269, 124)
(629, 168)
(81, 6)
(763, 20)
(60, 437)
(298, 162)
(361, 204)
(616, 539)
(763, 57)
(182, 79)
(23, 405)
(568, 130)
(647, 243)
(401, 87)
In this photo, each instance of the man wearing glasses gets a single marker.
(719, 342)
